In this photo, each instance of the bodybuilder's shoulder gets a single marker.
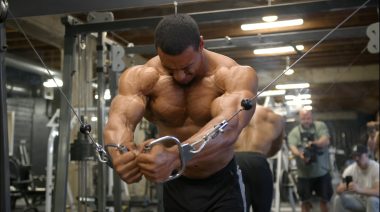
(236, 77)
(140, 78)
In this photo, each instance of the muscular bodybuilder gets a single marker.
(261, 138)
(185, 91)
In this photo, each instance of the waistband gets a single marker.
(255, 154)
(230, 167)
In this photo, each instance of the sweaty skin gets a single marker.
(263, 134)
(184, 96)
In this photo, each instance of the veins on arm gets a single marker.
(239, 83)
(128, 107)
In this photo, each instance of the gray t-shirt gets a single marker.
(322, 164)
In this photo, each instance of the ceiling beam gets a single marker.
(225, 15)
(48, 29)
(266, 39)
(323, 75)
(48, 7)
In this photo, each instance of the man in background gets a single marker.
(260, 139)
(309, 143)
(359, 190)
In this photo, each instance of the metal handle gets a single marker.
(165, 139)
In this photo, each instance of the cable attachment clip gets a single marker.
(219, 128)
(103, 155)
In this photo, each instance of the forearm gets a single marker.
(322, 142)
(369, 191)
(342, 187)
(295, 151)
(215, 145)
(118, 135)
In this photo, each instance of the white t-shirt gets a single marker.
(365, 178)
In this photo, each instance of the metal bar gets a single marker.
(117, 202)
(60, 189)
(4, 158)
(49, 169)
(101, 178)
(224, 15)
(47, 7)
(247, 42)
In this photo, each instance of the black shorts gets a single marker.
(221, 192)
(321, 185)
(258, 180)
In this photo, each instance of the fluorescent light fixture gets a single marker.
(51, 84)
(275, 24)
(293, 86)
(270, 18)
(299, 102)
(94, 118)
(278, 50)
(308, 107)
(16, 88)
(273, 93)
(300, 96)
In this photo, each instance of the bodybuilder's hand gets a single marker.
(125, 164)
(158, 163)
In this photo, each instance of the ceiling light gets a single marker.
(308, 107)
(275, 24)
(277, 50)
(270, 18)
(299, 102)
(273, 93)
(290, 71)
(293, 86)
(300, 96)
(51, 84)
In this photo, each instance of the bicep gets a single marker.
(238, 83)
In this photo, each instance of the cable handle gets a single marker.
(181, 148)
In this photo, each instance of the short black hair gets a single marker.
(359, 149)
(175, 33)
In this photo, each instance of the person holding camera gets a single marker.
(359, 190)
(309, 143)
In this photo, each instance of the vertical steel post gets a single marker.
(116, 179)
(60, 188)
(4, 158)
(101, 68)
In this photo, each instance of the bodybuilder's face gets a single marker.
(306, 119)
(183, 67)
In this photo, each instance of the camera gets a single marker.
(347, 180)
(310, 152)
(307, 137)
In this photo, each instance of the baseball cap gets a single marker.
(359, 149)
